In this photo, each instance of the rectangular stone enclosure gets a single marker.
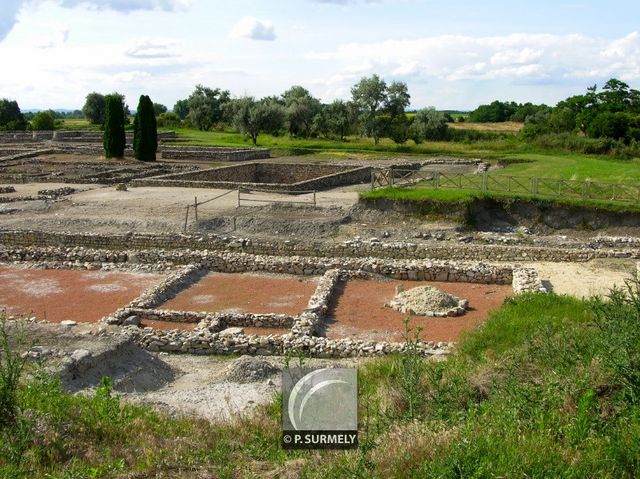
(266, 176)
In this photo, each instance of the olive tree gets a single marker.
(253, 117)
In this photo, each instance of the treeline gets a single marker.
(11, 118)
(499, 111)
(376, 110)
(605, 121)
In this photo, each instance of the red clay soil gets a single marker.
(358, 310)
(245, 293)
(58, 295)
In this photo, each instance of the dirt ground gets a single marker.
(145, 209)
(359, 310)
(58, 295)
(180, 385)
(583, 280)
(246, 293)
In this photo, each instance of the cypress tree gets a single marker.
(145, 131)
(114, 137)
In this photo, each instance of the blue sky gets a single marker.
(451, 54)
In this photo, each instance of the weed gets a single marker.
(11, 367)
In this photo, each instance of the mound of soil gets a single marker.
(248, 369)
(131, 368)
(428, 301)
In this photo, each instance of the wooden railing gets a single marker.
(486, 183)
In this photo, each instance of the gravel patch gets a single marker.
(248, 369)
(428, 301)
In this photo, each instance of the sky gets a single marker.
(452, 54)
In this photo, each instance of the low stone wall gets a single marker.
(239, 177)
(214, 333)
(28, 154)
(15, 136)
(183, 248)
(526, 280)
(213, 153)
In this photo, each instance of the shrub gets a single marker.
(609, 125)
(114, 137)
(168, 120)
(145, 131)
(11, 366)
(43, 121)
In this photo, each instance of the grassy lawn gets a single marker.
(548, 387)
(465, 195)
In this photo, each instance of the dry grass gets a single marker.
(506, 127)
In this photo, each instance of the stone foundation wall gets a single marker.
(213, 153)
(241, 176)
(28, 154)
(186, 248)
(213, 335)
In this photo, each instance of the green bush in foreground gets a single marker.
(547, 387)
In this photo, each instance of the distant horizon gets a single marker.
(452, 56)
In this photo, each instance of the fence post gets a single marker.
(238, 198)
(534, 185)
(484, 182)
(195, 207)
(373, 177)
(391, 182)
(586, 189)
(314, 198)
(186, 218)
(436, 179)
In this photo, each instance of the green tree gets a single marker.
(114, 136)
(43, 121)
(181, 108)
(169, 119)
(496, 112)
(562, 119)
(610, 125)
(145, 130)
(399, 129)
(159, 109)
(370, 96)
(93, 108)
(11, 118)
(398, 99)
(254, 117)
(206, 106)
(301, 110)
(339, 118)
(428, 124)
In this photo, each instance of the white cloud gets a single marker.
(53, 39)
(152, 48)
(251, 27)
(11, 8)
(131, 5)
(510, 57)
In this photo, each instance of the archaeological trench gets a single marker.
(332, 291)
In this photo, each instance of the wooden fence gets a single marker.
(486, 183)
